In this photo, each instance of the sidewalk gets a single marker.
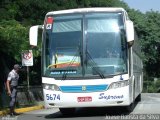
(22, 110)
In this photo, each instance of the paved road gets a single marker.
(148, 107)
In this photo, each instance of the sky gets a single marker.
(144, 5)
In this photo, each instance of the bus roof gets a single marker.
(82, 10)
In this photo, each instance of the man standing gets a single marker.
(12, 83)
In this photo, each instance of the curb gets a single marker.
(22, 110)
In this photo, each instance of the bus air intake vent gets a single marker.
(84, 88)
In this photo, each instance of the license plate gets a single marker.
(84, 99)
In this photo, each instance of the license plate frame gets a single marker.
(84, 99)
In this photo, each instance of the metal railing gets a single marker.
(25, 97)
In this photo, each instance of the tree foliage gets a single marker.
(151, 44)
(148, 30)
(14, 38)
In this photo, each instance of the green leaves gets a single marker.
(14, 38)
(148, 29)
(151, 43)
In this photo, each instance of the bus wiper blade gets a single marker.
(98, 71)
(67, 68)
(69, 65)
(95, 66)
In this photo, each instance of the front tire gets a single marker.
(67, 111)
(138, 99)
(130, 108)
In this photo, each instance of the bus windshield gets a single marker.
(84, 45)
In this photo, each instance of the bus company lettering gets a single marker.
(110, 97)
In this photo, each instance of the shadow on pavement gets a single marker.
(92, 112)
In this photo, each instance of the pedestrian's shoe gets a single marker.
(11, 111)
(11, 114)
(14, 113)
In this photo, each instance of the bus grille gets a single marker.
(84, 88)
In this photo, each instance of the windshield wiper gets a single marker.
(69, 65)
(94, 66)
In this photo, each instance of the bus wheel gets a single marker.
(130, 107)
(138, 99)
(67, 111)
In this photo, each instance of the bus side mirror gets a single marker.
(130, 32)
(33, 34)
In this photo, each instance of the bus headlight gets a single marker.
(119, 84)
(51, 87)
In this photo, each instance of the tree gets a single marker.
(150, 40)
(14, 38)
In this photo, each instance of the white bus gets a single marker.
(90, 58)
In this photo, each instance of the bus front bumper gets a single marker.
(111, 97)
